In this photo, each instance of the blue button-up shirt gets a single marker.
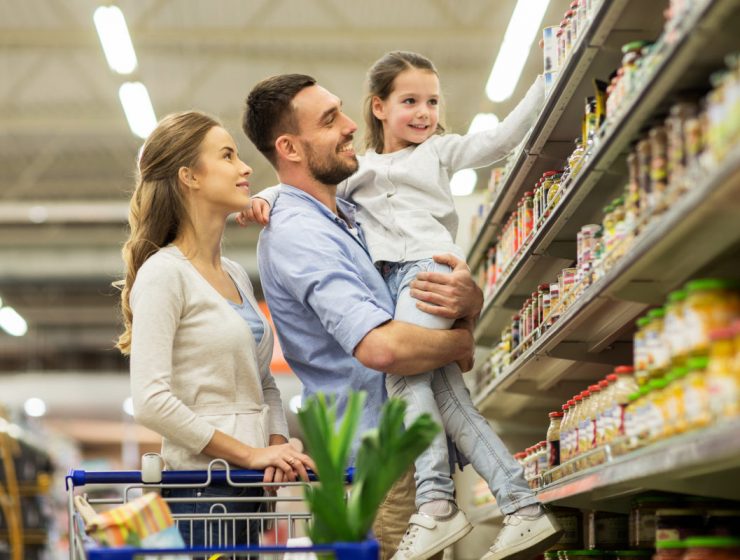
(325, 295)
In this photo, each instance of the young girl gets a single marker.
(405, 206)
(200, 348)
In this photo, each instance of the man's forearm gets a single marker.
(406, 349)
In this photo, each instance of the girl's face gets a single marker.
(410, 113)
(220, 176)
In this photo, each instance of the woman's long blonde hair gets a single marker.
(157, 209)
(380, 79)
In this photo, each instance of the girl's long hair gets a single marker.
(380, 80)
(157, 210)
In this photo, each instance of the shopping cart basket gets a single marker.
(275, 523)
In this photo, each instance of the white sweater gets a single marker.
(403, 198)
(195, 367)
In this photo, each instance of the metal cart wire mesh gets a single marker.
(280, 517)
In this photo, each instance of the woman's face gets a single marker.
(220, 176)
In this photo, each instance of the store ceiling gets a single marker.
(67, 155)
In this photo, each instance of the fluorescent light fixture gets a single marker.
(524, 26)
(12, 323)
(483, 121)
(128, 406)
(463, 182)
(35, 407)
(114, 37)
(138, 108)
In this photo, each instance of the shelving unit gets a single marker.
(705, 462)
(553, 246)
(697, 236)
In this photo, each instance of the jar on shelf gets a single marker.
(658, 415)
(574, 21)
(515, 331)
(696, 394)
(575, 160)
(606, 400)
(624, 384)
(640, 351)
(567, 279)
(569, 29)
(657, 352)
(631, 53)
(632, 197)
(528, 215)
(535, 312)
(658, 167)
(710, 304)
(674, 327)
(723, 384)
(712, 548)
(553, 439)
(631, 421)
(620, 228)
(543, 307)
(584, 421)
(676, 165)
(643, 178)
(675, 419)
(575, 426)
(609, 227)
(554, 302)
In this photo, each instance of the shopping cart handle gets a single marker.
(80, 477)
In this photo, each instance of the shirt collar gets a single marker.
(347, 209)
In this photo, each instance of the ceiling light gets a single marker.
(483, 121)
(35, 407)
(294, 404)
(128, 406)
(520, 34)
(463, 182)
(138, 108)
(12, 323)
(114, 37)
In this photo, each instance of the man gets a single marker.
(331, 307)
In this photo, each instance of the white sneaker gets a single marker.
(524, 537)
(427, 535)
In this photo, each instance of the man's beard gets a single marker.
(330, 170)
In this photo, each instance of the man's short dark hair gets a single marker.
(269, 111)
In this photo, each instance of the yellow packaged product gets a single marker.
(640, 353)
(722, 383)
(656, 347)
(710, 304)
(696, 394)
(674, 328)
(675, 413)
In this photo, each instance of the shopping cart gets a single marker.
(274, 523)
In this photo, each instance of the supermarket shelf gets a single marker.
(702, 463)
(581, 203)
(593, 334)
(551, 139)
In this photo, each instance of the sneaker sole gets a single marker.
(528, 552)
(451, 539)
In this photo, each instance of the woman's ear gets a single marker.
(288, 148)
(185, 175)
(376, 103)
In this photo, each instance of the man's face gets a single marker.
(326, 135)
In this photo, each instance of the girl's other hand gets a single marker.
(257, 213)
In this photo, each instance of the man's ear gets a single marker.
(187, 179)
(288, 148)
(376, 103)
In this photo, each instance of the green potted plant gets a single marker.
(384, 454)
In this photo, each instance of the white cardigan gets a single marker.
(195, 367)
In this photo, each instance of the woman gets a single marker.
(200, 348)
